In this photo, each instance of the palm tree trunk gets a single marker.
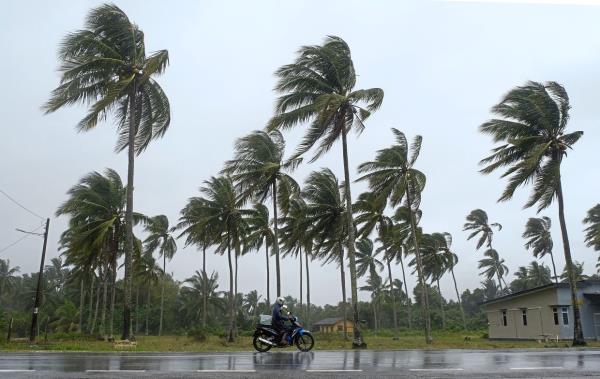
(162, 295)
(393, 297)
(343, 277)
(137, 309)
(408, 302)
(375, 326)
(81, 305)
(148, 312)
(112, 298)
(578, 339)
(268, 274)
(235, 293)
(276, 239)
(441, 304)
(357, 340)
(102, 331)
(128, 279)
(424, 295)
(231, 303)
(205, 278)
(307, 321)
(554, 268)
(91, 306)
(300, 260)
(98, 292)
(462, 310)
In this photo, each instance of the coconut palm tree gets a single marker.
(392, 175)
(105, 65)
(220, 214)
(259, 171)
(478, 224)
(259, 234)
(319, 88)
(148, 272)
(531, 126)
(366, 258)
(493, 265)
(7, 275)
(369, 215)
(450, 259)
(296, 237)
(160, 238)
(193, 293)
(539, 239)
(377, 288)
(592, 232)
(577, 272)
(250, 303)
(539, 274)
(326, 213)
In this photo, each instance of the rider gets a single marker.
(277, 319)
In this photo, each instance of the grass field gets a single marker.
(413, 340)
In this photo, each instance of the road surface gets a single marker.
(317, 364)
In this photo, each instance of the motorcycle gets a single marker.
(267, 337)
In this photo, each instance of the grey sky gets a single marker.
(442, 65)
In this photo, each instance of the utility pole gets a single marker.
(38, 292)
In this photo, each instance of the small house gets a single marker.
(334, 324)
(545, 312)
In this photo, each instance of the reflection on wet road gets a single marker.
(457, 363)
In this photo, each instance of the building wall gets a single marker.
(564, 298)
(337, 327)
(540, 318)
(586, 308)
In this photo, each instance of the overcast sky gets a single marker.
(442, 65)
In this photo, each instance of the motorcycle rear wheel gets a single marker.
(259, 345)
(305, 342)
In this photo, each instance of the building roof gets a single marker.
(329, 321)
(580, 284)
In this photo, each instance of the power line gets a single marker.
(20, 239)
(21, 205)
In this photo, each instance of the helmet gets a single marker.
(280, 300)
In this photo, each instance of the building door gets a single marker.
(597, 325)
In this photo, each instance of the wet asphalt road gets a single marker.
(330, 364)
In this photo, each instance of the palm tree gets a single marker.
(148, 272)
(478, 224)
(592, 232)
(326, 214)
(220, 214)
(539, 239)
(160, 238)
(539, 274)
(259, 171)
(194, 291)
(7, 275)
(577, 273)
(493, 265)
(250, 303)
(259, 233)
(105, 65)
(532, 125)
(295, 237)
(449, 259)
(392, 175)
(369, 210)
(366, 258)
(319, 88)
(377, 288)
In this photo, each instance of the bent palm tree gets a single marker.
(592, 232)
(259, 233)
(392, 175)
(319, 88)
(539, 239)
(493, 265)
(160, 238)
(259, 171)
(532, 127)
(105, 65)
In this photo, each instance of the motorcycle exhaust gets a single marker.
(266, 341)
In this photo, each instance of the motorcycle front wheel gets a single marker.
(305, 342)
(259, 345)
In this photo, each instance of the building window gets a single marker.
(555, 312)
(524, 315)
(504, 319)
(565, 315)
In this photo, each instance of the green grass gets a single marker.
(384, 341)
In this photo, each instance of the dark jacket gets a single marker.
(277, 319)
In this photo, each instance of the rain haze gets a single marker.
(442, 65)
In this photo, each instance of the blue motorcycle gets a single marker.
(267, 337)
